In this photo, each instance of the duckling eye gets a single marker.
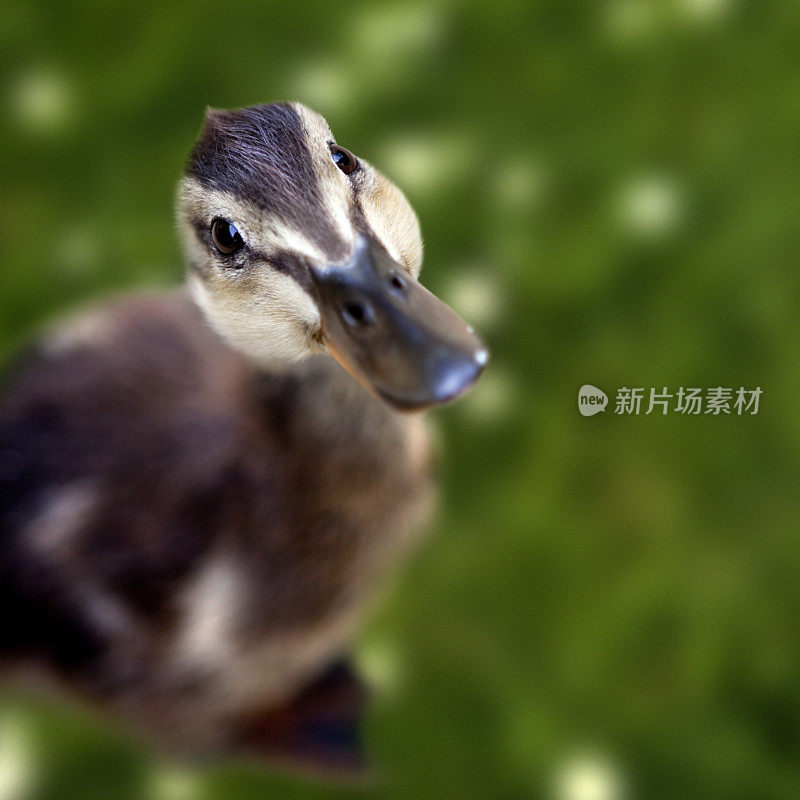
(343, 159)
(226, 236)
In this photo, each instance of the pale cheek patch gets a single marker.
(262, 313)
(270, 318)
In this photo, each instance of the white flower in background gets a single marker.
(396, 30)
(651, 206)
(704, 11)
(588, 778)
(492, 398)
(326, 86)
(380, 664)
(426, 161)
(173, 783)
(629, 21)
(475, 295)
(17, 767)
(519, 182)
(42, 100)
(78, 250)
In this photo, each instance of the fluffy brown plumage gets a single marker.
(192, 520)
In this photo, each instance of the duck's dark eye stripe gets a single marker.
(283, 261)
(226, 236)
(343, 159)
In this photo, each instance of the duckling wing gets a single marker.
(115, 453)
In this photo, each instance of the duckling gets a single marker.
(201, 490)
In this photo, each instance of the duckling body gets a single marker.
(193, 519)
(191, 535)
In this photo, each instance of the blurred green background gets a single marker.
(608, 607)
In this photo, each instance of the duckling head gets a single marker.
(296, 246)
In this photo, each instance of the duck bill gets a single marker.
(395, 337)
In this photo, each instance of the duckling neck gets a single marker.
(354, 477)
(308, 426)
(316, 407)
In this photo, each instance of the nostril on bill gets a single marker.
(358, 315)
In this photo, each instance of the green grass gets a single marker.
(610, 191)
